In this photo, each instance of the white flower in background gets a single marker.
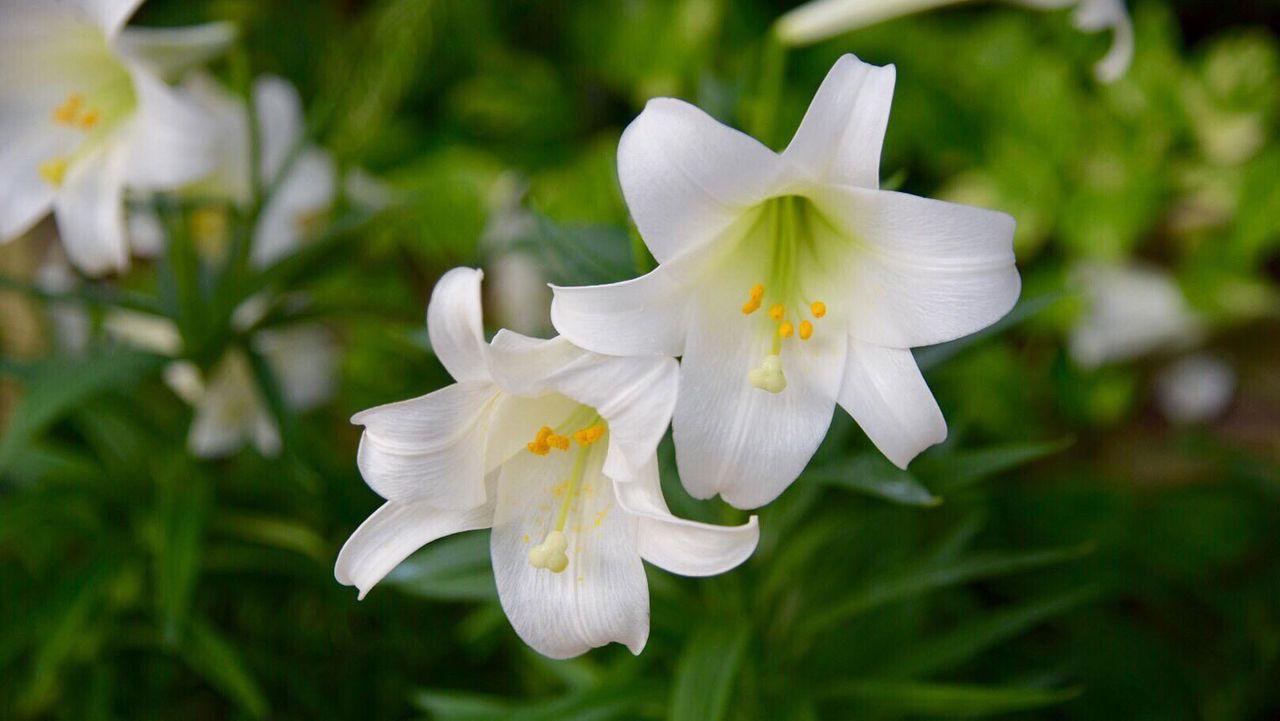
(519, 298)
(789, 283)
(1130, 311)
(554, 448)
(229, 408)
(821, 19)
(85, 115)
(1196, 389)
(301, 178)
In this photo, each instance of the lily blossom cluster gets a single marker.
(87, 115)
(818, 20)
(788, 283)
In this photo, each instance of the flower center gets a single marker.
(91, 115)
(551, 552)
(785, 227)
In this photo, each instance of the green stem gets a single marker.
(773, 64)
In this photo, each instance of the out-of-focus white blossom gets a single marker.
(1130, 311)
(821, 19)
(1196, 389)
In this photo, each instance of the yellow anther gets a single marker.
(53, 171)
(785, 329)
(806, 330)
(757, 292)
(540, 445)
(556, 441)
(66, 113)
(587, 436)
(818, 308)
(750, 306)
(90, 119)
(776, 311)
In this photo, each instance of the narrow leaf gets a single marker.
(964, 468)
(215, 660)
(875, 476)
(952, 700)
(706, 672)
(921, 581)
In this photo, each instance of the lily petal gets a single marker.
(601, 597)
(686, 177)
(25, 197)
(738, 440)
(430, 448)
(395, 531)
(455, 324)
(635, 395)
(109, 15)
(840, 138)
(925, 271)
(90, 213)
(885, 393)
(279, 111)
(303, 358)
(307, 189)
(676, 544)
(171, 140)
(170, 52)
(643, 316)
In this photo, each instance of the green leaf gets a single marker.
(706, 672)
(953, 700)
(70, 620)
(974, 637)
(456, 568)
(180, 513)
(59, 385)
(963, 468)
(1026, 309)
(457, 706)
(874, 475)
(271, 531)
(583, 254)
(215, 660)
(917, 582)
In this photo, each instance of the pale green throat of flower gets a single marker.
(105, 97)
(785, 226)
(551, 553)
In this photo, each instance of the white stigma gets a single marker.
(768, 376)
(550, 554)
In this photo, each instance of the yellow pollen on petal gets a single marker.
(776, 311)
(540, 445)
(806, 330)
(556, 441)
(751, 306)
(785, 329)
(54, 171)
(757, 292)
(90, 119)
(589, 435)
(818, 308)
(66, 113)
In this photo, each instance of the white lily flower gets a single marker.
(1196, 389)
(554, 448)
(818, 20)
(789, 283)
(302, 188)
(229, 408)
(1130, 311)
(83, 116)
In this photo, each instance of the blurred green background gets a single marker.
(1073, 551)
